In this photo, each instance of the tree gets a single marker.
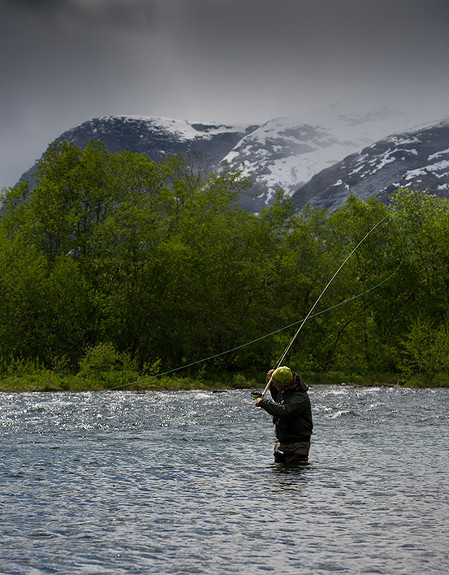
(159, 262)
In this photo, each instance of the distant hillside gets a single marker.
(159, 137)
(417, 159)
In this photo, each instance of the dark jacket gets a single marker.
(291, 411)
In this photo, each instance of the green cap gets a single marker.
(283, 376)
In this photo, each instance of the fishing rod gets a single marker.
(255, 395)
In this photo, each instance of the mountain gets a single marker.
(159, 137)
(416, 159)
(301, 156)
(286, 153)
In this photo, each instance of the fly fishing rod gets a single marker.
(255, 395)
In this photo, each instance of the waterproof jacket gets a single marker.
(291, 411)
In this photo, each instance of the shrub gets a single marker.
(104, 364)
(426, 350)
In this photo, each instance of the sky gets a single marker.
(63, 62)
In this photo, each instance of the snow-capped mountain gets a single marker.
(417, 159)
(204, 143)
(159, 137)
(285, 153)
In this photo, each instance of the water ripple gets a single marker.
(183, 482)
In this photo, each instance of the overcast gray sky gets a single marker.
(67, 61)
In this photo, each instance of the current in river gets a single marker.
(184, 483)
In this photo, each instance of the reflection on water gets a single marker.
(185, 483)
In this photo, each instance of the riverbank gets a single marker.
(50, 381)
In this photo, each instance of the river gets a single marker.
(184, 482)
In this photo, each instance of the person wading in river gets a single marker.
(292, 415)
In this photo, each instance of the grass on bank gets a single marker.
(45, 380)
(104, 368)
(49, 381)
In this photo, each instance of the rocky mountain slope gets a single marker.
(417, 159)
(286, 153)
(159, 137)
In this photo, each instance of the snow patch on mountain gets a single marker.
(182, 130)
(286, 152)
(417, 159)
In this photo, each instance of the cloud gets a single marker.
(122, 13)
(66, 61)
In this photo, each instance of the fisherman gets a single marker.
(292, 415)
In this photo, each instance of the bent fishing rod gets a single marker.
(255, 395)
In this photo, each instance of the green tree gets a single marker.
(159, 263)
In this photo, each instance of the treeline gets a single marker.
(150, 266)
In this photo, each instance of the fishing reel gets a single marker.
(256, 394)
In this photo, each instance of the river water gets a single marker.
(184, 482)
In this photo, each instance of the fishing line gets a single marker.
(325, 289)
(319, 297)
(301, 321)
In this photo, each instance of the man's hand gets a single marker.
(258, 400)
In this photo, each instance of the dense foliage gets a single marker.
(115, 259)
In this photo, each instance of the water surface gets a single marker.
(184, 482)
